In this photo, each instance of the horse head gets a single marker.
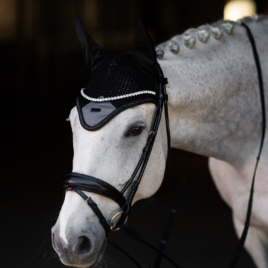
(108, 142)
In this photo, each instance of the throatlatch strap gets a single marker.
(243, 237)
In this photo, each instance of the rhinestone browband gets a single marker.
(118, 97)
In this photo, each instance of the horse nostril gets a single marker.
(53, 239)
(84, 245)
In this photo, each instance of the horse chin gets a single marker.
(96, 261)
(100, 255)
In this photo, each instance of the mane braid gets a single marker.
(202, 34)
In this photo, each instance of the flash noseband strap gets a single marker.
(93, 206)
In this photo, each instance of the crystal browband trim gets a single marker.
(118, 97)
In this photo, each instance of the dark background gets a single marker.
(42, 70)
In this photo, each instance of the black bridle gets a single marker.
(81, 182)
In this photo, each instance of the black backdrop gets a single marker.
(42, 71)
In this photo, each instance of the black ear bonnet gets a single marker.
(117, 82)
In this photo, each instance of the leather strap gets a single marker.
(94, 185)
(243, 237)
(125, 253)
(94, 207)
(136, 236)
(172, 215)
(150, 142)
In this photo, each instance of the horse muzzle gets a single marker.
(77, 250)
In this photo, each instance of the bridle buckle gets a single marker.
(163, 96)
(112, 225)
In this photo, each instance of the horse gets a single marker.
(214, 110)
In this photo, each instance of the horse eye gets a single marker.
(135, 130)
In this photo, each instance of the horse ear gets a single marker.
(144, 54)
(94, 53)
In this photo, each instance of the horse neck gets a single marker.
(214, 100)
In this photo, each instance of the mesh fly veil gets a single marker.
(117, 82)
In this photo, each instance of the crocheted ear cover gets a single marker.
(114, 77)
(117, 82)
